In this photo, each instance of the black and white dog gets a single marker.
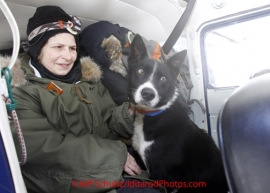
(171, 146)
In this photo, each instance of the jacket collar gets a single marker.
(21, 69)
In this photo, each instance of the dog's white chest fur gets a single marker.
(138, 139)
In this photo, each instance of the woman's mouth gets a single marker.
(64, 65)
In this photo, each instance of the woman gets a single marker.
(69, 121)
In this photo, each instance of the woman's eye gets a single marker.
(73, 48)
(140, 71)
(58, 47)
(163, 78)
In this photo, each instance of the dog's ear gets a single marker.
(137, 50)
(176, 61)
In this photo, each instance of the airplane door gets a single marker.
(225, 53)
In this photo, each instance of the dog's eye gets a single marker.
(163, 78)
(140, 71)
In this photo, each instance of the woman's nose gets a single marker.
(66, 54)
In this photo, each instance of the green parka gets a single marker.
(71, 139)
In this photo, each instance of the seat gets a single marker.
(6, 181)
(244, 137)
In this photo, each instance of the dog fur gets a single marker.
(171, 146)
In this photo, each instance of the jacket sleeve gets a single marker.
(69, 114)
(117, 117)
(122, 122)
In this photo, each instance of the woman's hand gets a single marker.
(131, 109)
(131, 167)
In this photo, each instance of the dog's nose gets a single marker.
(148, 94)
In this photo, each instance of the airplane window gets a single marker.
(235, 52)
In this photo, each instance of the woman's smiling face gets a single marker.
(59, 54)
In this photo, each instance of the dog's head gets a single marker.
(152, 84)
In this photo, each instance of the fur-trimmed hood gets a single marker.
(90, 70)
